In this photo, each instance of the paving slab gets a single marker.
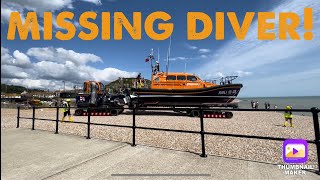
(27, 154)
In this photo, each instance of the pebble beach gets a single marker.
(269, 124)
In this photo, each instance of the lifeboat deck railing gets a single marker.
(202, 132)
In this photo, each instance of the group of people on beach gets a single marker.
(267, 105)
(255, 104)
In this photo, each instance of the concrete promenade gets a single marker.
(37, 154)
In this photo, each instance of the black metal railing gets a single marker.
(202, 132)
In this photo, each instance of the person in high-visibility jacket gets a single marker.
(66, 110)
(288, 116)
(138, 80)
(141, 82)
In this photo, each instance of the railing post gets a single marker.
(315, 112)
(89, 115)
(33, 116)
(18, 117)
(57, 121)
(134, 127)
(203, 154)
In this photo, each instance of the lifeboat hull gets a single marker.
(203, 96)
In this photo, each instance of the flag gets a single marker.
(147, 60)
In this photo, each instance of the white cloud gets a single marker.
(6, 58)
(182, 58)
(21, 59)
(251, 54)
(203, 56)
(18, 59)
(219, 74)
(110, 74)
(203, 51)
(5, 14)
(7, 9)
(243, 73)
(9, 71)
(62, 55)
(191, 46)
(39, 6)
(96, 2)
(178, 58)
(53, 66)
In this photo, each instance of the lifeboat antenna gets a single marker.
(168, 56)
(151, 58)
(159, 56)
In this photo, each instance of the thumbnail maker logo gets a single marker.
(295, 151)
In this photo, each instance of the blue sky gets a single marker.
(266, 68)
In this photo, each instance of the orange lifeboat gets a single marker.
(174, 88)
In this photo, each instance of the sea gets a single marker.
(302, 102)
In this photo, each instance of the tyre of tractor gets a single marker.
(229, 115)
(195, 113)
(114, 112)
(78, 112)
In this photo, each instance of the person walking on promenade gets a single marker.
(252, 104)
(66, 110)
(266, 105)
(257, 105)
(288, 116)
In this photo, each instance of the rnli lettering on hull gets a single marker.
(228, 92)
